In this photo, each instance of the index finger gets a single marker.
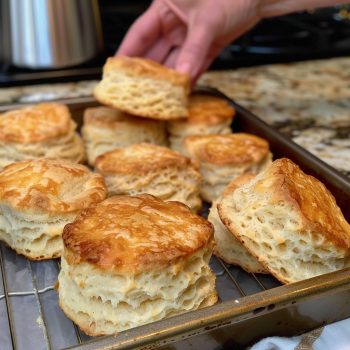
(141, 35)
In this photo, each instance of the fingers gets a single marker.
(213, 53)
(155, 33)
(172, 32)
(159, 51)
(142, 34)
(172, 58)
(195, 49)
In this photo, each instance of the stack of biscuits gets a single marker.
(141, 95)
(142, 254)
(150, 256)
(133, 258)
(126, 141)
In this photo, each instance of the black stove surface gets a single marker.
(309, 35)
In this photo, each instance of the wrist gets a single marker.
(272, 8)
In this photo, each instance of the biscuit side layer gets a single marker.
(228, 248)
(69, 146)
(104, 302)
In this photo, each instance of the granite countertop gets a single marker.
(307, 101)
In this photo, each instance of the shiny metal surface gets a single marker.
(42, 34)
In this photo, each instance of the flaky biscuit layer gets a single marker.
(144, 88)
(226, 157)
(226, 245)
(106, 129)
(131, 260)
(104, 302)
(145, 168)
(38, 198)
(208, 115)
(289, 222)
(68, 146)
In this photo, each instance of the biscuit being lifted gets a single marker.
(144, 88)
(131, 260)
(289, 222)
(41, 131)
(207, 115)
(225, 157)
(38, 198)
(145, 168)
(227, 247)
(106, 129)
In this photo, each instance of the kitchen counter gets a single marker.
(307, 101)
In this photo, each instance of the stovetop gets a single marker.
(307, 35)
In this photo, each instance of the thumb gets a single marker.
(194, 50)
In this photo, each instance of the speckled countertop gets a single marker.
(307, 101)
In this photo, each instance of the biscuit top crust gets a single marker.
(135, 233)
(284, 181)
(50, 185)
(207, 110)
(237, 183)
(234, 149)
(141, 158)
(148, 68)
(105, 117)
(34, 124)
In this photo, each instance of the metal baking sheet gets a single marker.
(251, 306)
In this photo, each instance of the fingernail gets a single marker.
(184, 68)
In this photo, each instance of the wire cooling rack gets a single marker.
(31, 319)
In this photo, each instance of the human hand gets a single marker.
(189, 34)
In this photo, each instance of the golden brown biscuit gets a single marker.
(38, 198)
(35, 124)
(209, 110)
(106, 129)
(225, 157)
(227, 247)
(130, 260)
(143, 87)
(289, 222)
(45, 130)
(208, 115)
(145, 168)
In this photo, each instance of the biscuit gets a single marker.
(144, 88)
(131, 260)
(38, 198)
(145, 168)
(225, 157)
(207, 115)
(106, 129)
(227, 247)
(289, 222)
(41, 131)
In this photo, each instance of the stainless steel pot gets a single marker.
(43, 34)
